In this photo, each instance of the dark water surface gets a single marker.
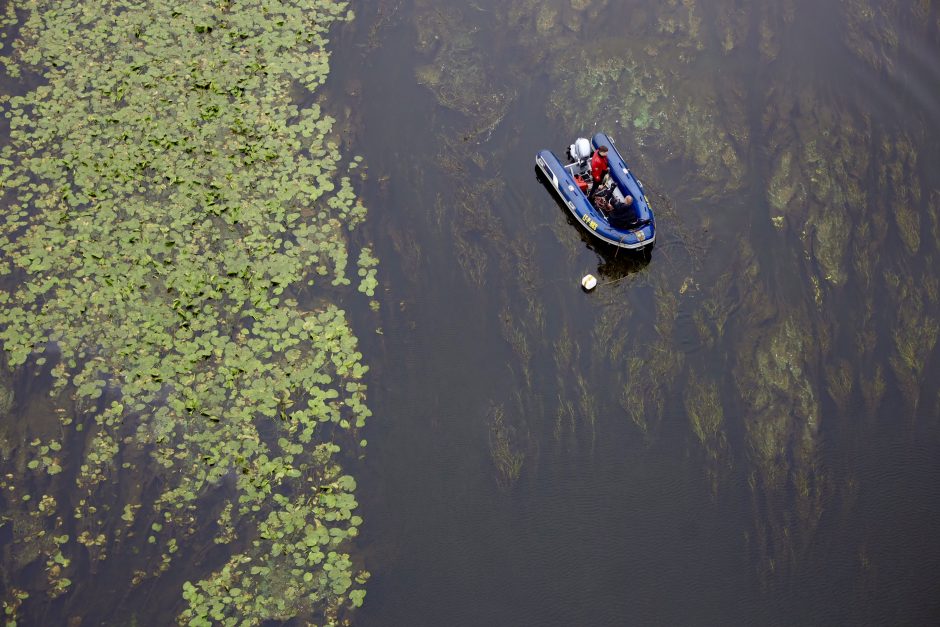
(743, 429)
(790, 159)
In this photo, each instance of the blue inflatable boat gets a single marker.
(572, 179)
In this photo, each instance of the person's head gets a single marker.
(628, 200)
(602, 151)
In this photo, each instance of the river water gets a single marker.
(743, 430)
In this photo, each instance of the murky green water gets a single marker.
(744, 429)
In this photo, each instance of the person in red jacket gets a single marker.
(598, 168)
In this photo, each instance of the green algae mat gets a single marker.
(176, 235)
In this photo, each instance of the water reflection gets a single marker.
(614, 263)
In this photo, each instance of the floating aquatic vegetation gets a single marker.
(367, 273)
(11, 604)
(166, 199)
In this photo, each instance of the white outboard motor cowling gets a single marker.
(580, 149)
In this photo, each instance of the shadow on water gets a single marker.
(614, 263)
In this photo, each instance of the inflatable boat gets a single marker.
(572, 181)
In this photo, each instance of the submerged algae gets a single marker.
(871, 31)
(617, 91)
(897, 165)
(507, 452)
(812, 195)
(167, 199)
(652, 90)
(776, 384)
(840, 379)
(811, 154)
(705, 412)
(576, 411)
(652, 371)
(457, 71)
(915, 331)
(773, 364)
(826, 157)
(818, 175)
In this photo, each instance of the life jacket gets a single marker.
(598, 166)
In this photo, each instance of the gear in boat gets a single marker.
(604, 210)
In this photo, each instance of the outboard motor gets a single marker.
(580, 150)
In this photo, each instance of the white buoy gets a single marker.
(588, 282)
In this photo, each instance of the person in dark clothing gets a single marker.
(623, 213)
(598, 168)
